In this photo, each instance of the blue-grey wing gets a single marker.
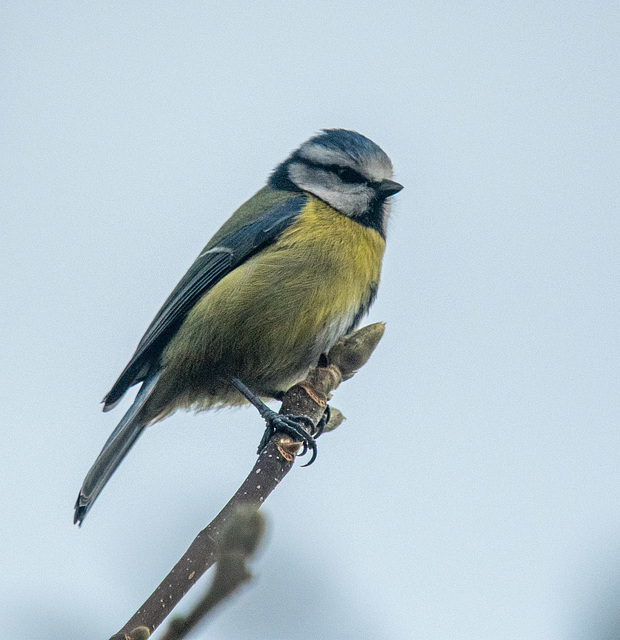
(208, 269)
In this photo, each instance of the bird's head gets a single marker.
(344, 169)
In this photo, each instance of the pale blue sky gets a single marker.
(474, 491)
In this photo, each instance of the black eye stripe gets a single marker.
(346, 174)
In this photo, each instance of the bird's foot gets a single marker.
(296, 427)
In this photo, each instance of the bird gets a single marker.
(292, 271)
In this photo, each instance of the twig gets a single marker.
(307, 398)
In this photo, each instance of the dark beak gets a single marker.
(389, 188)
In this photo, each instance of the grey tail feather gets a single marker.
(114, 450)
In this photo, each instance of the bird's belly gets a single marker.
(268, 339)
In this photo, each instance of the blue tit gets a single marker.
(292, 271)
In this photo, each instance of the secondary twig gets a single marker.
(307, 398)
(240, 540)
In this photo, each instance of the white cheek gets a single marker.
(350, 199)
(348, 202)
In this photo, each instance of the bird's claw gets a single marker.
(297, 427)
(323, 422)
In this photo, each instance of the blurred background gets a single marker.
(474, 491)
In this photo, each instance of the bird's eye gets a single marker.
(346, 174)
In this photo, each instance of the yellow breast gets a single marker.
(270, 319)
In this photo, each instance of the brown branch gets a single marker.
(269, 469)
(307, 398)
(240, 540)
